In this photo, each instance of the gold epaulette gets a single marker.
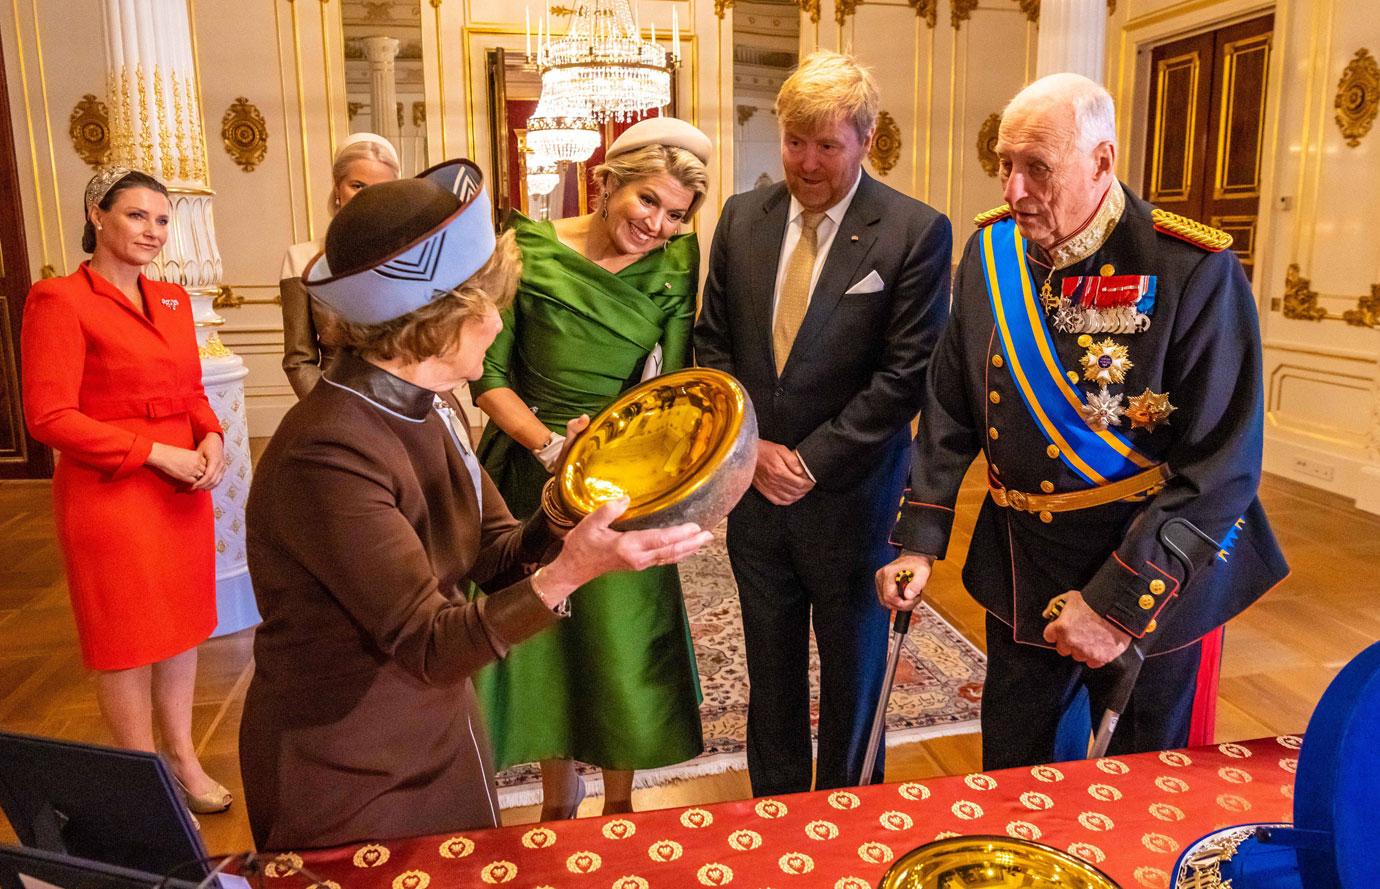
(1214, 240)
(995, 214)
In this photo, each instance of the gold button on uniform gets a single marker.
(1047, 487)
(992, 433)
(994, 397)
(1084, 341)
(1157, 586)
(997, 361)
(1147, 602)
(1072, 375)
(1053, 452)
(1107, 270)
(1151, 627)
(1046, 516)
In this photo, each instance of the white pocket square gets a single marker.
(871, 284)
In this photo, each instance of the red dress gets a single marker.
(102, 383)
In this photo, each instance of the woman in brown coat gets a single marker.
(369, 515)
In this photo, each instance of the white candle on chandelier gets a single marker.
(527, 30)
(675, 34)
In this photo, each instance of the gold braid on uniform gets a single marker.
(1214, 240)
(987, 217)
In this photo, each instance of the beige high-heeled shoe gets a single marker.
(215, 800)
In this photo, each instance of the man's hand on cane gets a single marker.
(903, 598)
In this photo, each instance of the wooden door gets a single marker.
(20, 455)
(1206, 131)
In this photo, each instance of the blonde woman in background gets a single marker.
(364, 159)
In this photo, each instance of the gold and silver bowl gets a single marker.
(681, 447)
(991, 862)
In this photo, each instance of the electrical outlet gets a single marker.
(1314, 468)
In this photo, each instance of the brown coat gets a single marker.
(364, 530)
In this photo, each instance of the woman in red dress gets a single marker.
(112, 381)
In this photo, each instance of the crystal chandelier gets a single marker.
(561, 134)
(542, 177)
(603, 66)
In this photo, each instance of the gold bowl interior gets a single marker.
(992, 862)
(657, 444)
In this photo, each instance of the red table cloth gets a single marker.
(1128, 815)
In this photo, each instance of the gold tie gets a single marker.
(795, 290)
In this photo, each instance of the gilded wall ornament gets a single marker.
(721, 7)
(927, 10)
(810, 7)
(961, 11)
(353, 108)
(886, 145)
(1367, 311)
(843, 9)
(1031, 8)
(89, 127)
(987, 144)
(244, 134)
(745, 113)
(1300, 300)
(419, 114)
(1358, 97)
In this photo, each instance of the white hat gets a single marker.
(669, 131)
(416, 266)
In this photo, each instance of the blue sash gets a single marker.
(1096, 456)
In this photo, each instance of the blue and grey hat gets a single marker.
(396, 246)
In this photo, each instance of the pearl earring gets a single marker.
(99, 228)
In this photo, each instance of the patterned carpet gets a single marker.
(938, 683)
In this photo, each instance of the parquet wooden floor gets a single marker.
(1279, 656)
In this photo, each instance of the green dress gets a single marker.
(615, 684)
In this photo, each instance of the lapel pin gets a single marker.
(854, 239)
(170, 303)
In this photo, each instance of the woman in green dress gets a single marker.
(606, 299)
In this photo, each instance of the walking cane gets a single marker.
(1126, 669)
(900, 625)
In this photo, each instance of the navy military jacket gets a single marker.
(1157, 578)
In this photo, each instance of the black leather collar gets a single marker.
(376, 385)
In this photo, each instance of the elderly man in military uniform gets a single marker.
(1104, 355)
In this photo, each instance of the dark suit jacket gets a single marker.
(856, 374)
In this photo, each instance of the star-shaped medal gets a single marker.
(1106, 362)
(1102, 409)
(1068, 319)
(1147, 410)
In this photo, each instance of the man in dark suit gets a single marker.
(1104, 356)
(825, 297)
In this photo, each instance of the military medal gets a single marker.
(1102, 409)
(1147, 410)
(1106, 362)
(1047, 297)
(1106, 304)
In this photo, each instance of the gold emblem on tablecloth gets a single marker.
(1233, 803)
(714, 874)
(1170, 784)
(456, 847)
(821, 830)
(852, 883)
(842, 799)
(893, 820)
(966, 809)
(583, 862)
(1152, 877)
(1095, 821)
(665, 850)
(979, 781)
(1148, 410)
(1293, 742)
(1113, 766)
(1287, 790)
(619, 829)
(795, 863)
(1106, 362)
(744, 840)
(945, 834)
(539, 838)
(1036, 801)
(1235, 751)
(1023, 830)
(696, 818)
(1289, 765)
(371, 855)
(284, 865)
(412, 879)
(1166, 812)
(1104, 792)
(1158, 842)
(914, 791)
(1088, 852)
(1047, 774)
(1176, 759)
(496, 872)
(325, 884)
(770, 808)
(875, 853)
(1234, 775)
(631, 882)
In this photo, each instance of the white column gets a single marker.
(1073, 37)
(155, 121)
(383, 85)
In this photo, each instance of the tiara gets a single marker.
(101, 184)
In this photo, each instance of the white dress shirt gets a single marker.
(824, 239)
